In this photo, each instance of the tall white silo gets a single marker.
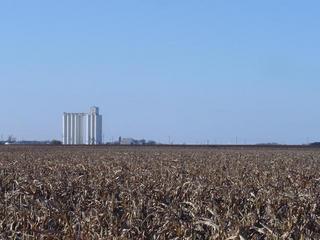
(64, 131)
(88, 129)
(68, 128)
(82, 128)
(93, 127)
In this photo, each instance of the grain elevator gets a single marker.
(82, 128)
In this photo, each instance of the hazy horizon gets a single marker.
(190, 72)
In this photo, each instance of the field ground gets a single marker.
(159, 193)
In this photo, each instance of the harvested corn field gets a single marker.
(159, 193)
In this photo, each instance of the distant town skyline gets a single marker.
(179, 71)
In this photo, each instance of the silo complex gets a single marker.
(82, 128)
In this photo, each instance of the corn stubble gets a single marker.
(159, 193)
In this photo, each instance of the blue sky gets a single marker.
(189, 70)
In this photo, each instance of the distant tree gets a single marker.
(315, 144)
(151, 142)
(55, 142)
(11, 139)
(268, 144)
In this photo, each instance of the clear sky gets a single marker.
(190, 70)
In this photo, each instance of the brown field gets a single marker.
(159, 193)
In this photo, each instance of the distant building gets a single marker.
(82, 128)
(132, 141)
(27, 142)
(126, 141)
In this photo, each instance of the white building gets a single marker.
(82, 128)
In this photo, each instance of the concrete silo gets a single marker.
(82, 128)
